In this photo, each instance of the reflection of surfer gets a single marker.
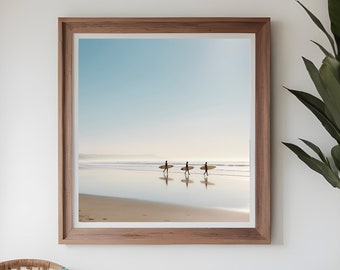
(206, 182)
(166, 178)
(206, 169)
(187, 181)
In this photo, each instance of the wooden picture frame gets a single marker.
(260, 232)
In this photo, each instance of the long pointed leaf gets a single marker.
(305, 97)
(320, 26)
(326, 52)
(315, 165)
(336, 156)
(319, 84)
(315, 76)
(334, 66)
(317, 150)
(317, 107)
(332, 97)
(334, 16)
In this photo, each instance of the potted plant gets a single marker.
(327, 108)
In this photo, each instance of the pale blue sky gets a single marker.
(172, 98)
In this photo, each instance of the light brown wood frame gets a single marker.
(260, 234)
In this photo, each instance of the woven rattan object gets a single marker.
(30, 264)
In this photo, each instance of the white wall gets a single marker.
(305, 209)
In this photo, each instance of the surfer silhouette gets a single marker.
(187, 168)
(205, 169)
(166, 169)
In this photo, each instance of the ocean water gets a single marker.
(226, 187)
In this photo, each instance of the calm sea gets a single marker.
(227, 186)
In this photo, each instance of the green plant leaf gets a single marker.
(326, 52)
(329, 92)
(327, 109)
(315, 76)
(317, 107)
(315, 165)
(334, 16)
(317, 150)
(320, 26)
(336, 156)
(334, 66)
(332, 96)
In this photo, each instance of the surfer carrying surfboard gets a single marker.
(206, 169)
(187, 168)
(166, 167)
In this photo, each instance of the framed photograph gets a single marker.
(164, 130)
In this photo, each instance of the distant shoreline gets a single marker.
(111, 209)
(225, 169)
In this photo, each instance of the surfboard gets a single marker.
(163, 166)
(209, 167)
(185, 168)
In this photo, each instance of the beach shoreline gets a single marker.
(112, 209)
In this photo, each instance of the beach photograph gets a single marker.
(164, 129)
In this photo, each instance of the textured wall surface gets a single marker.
(305, 209)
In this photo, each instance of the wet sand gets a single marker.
(112, 209)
